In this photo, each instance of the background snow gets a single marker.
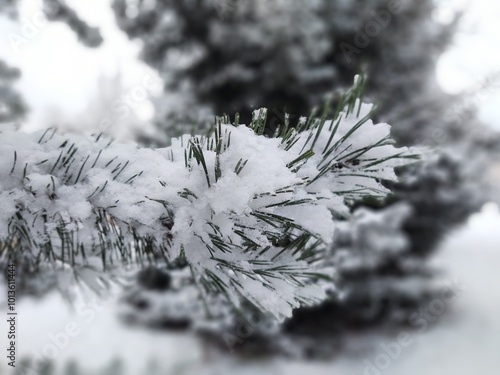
(465, 341)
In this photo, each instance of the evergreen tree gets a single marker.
(12, 106)
(231, 56)
(290, 54)
(58, 10)
(9, 8)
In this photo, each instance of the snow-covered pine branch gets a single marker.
(251, 214)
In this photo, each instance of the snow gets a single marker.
(232, 198)
(359, 147)
(466, 338)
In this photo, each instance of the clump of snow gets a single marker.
(246, 211)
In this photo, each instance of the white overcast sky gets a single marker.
(59, 73)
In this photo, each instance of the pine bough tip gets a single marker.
(251, 214)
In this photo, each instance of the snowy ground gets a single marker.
(464, 342)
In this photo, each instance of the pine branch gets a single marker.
(251, 215)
